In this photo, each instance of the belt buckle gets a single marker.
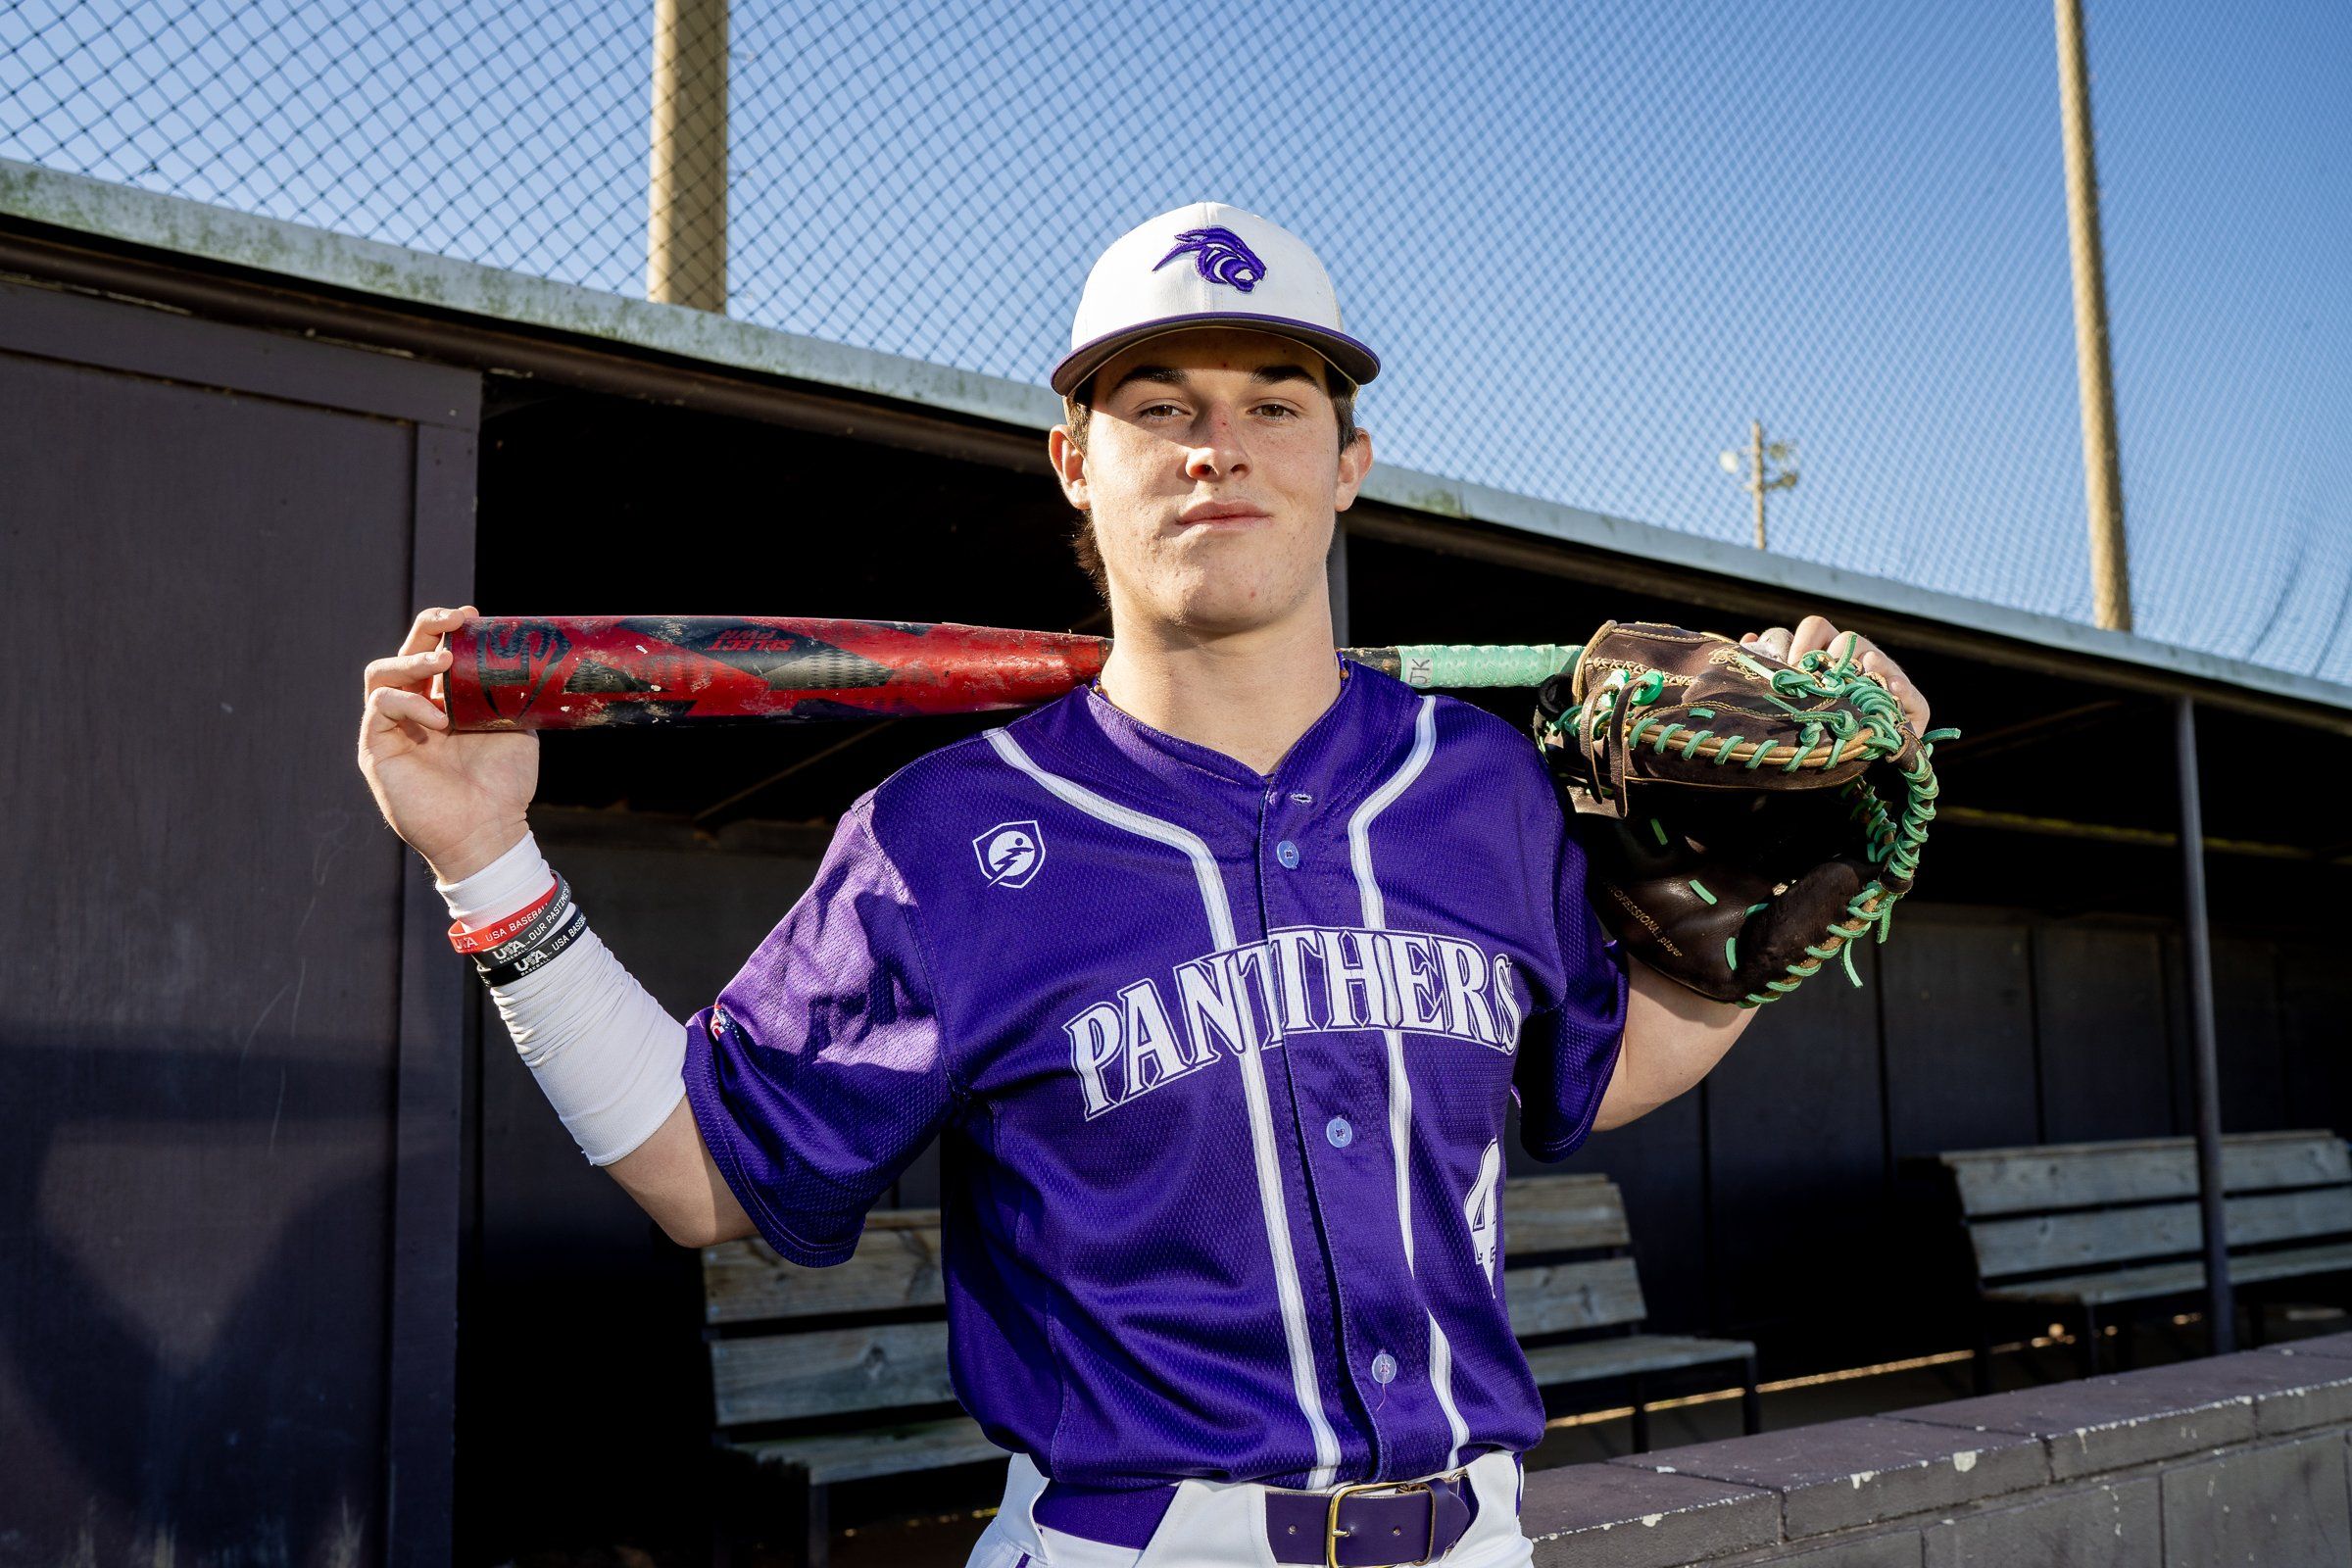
(1330, 1520)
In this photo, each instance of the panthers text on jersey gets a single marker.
(1220, 1063)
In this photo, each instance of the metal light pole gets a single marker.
(686, 189)
(2102, 468)
(1758, 481)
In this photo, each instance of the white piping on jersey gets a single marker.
(1253, 1091)
(1400, 1087)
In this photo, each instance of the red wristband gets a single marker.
(491, 936)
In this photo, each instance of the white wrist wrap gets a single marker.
(499, 888)
(608, 1056)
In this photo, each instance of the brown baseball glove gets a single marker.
(1746, 821)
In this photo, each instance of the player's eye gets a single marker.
(1150, 409)
(1283, 409)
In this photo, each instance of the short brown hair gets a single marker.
(1077, 413)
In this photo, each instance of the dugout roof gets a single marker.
(693, 356)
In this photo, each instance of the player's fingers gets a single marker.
(410, 671)
(1878, 667)
(1850, 648)
(1813, 633)
(391, 709)
(1890, 675)
(430, 624)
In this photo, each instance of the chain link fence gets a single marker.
(1591, 243)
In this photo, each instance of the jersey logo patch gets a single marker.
(1010, 853)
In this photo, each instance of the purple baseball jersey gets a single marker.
(1220, 1063)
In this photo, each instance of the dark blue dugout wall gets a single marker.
(231, 1068)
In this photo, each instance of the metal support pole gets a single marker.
(2221, 1319)
(2102, 469)
(1335, 576)
(686, 191)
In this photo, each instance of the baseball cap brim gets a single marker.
(1355, 360)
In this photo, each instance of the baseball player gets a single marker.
(1214, 978)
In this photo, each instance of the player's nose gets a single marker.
(1216, 455)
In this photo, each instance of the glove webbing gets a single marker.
(1894, 844)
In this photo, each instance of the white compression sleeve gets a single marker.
(608, 1056)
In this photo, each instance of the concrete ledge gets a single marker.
(2125, 1418)
(2283, 1505)
(2107, 1525)
(2091, 1429)
(2337, 1345)
(1841, 1474)
(2289, 1393)
(1633, 1518)
(2242, 1458)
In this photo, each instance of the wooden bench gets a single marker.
(2092, 1227)
(841, 1373)
(1576, 1299)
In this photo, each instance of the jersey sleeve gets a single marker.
(1570, 1043)
(822, 1069)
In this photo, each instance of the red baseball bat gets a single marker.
(585, 671)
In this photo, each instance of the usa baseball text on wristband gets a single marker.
(507, 973)
(490, 936)
(537, 935)
(538, 954)
(549, 921)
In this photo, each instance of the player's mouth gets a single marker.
(1223, 515)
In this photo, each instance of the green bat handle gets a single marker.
(1446, 664)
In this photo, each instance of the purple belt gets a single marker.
(1374, 1523)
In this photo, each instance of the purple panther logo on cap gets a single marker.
(1220, 255)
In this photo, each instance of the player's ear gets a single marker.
(1069, 465)
(1356, 461)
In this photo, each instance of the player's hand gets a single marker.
(459, 801)
(1815, 632)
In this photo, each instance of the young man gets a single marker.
(1216, 977)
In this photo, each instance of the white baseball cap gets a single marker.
(1208, 265)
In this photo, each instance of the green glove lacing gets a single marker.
(1870, 712)
(1892, 842)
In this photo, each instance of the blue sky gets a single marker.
(1590, 242)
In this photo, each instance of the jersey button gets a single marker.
(1288, 854)
(1384, 1368)
(1339, 1133)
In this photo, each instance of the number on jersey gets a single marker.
(1484, 1210)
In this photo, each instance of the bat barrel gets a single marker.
(534, 673)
